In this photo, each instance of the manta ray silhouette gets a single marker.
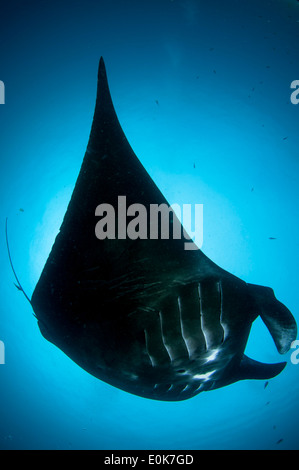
(145, 315)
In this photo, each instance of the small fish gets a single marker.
(272, 238)
(157, 102)
(193, 165)
(285, 138)
(266, 384)
(21, 210)
(279, 441)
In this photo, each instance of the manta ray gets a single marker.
(145, 315)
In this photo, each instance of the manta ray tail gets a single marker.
(276, 316)
(18, 285)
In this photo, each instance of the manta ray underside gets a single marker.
(145, 315)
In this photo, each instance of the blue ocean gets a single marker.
(207, 95)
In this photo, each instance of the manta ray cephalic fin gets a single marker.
(276, 316)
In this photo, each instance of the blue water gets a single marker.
(221, 73)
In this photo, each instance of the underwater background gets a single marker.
(202, 90)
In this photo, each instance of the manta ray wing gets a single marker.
(143, 314)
